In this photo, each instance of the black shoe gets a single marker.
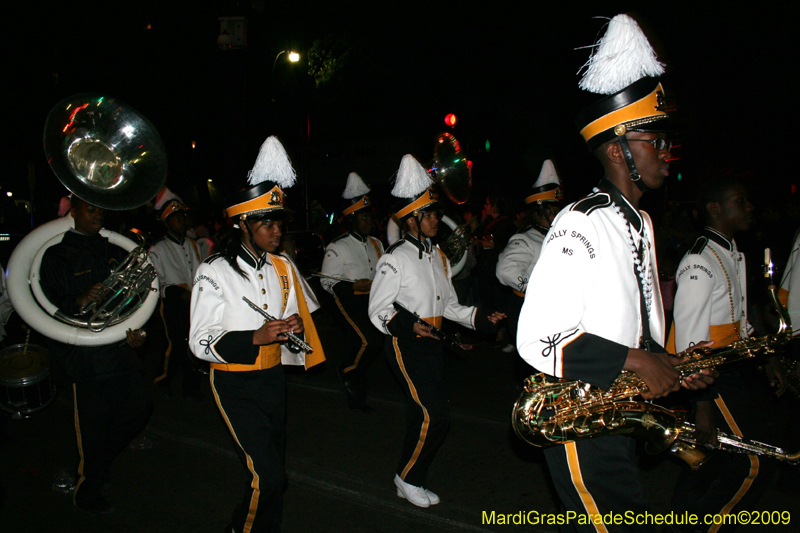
(100, 506)
(106, 480)
(359, 405)
(355, 398)
(347, 385)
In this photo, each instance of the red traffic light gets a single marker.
(450, 119)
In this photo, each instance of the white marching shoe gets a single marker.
(416, 495)
(433, 497)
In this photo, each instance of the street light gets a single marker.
(294, 57)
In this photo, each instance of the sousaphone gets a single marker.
(448, 169)
(108, 154)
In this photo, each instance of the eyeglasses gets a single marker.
(658, 143)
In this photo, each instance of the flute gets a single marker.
(318, 274)
(436, 332)
(291, 336)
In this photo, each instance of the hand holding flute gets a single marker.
(278, 330)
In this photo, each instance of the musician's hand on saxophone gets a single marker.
(705, 423)
(702, 379)
(656, 370)
(275, 330)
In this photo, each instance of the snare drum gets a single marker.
(25, 385)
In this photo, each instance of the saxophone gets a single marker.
(555, 411)
(736, 444)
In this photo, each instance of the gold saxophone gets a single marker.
(551, 412)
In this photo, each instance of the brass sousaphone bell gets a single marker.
(110, 156)
(104, 151)
(449, 168)
(450, 171)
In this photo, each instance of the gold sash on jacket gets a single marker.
(722, 335)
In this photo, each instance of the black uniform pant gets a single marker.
(728, 482)
(109, 413)
(253, 404)
(513, 309)
(175, 313)
(364, 342)
(419, 364)
(598, 476)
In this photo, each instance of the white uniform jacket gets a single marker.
(176, 262)
(222, 324)
(516, 261)
(582, 310)
(790, 286)
(711, 301)
(416, 275)
(350, 256)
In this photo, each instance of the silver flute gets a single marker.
(318, 274)
(291, 336)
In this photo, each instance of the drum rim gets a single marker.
(26, 380)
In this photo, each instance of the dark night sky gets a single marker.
(507, 70)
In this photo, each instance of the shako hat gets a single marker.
(625, 68)
(413, 188)
(168, 203)
(271, 175)
(355, 193)
(547, 187)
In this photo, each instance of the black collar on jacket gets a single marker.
(630, 213)
(719, 238)
(84, 241)
(357, 235)
(249, 257)
(422, 246)
(174, 239)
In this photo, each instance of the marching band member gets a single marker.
(415, 274)
(597, 274)
(354, 256)
(711, 305)
(176, 258)
(112, 401)
(789, 292)
(516, 261)
(246, 351)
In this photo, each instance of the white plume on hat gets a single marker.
(622, 56)
(165, 196)
(355, 187)
(412, 180)
(547, 175)
(272, 164)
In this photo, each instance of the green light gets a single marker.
(487, 145)
(679, 176)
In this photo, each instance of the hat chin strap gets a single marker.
(256, 248)
(634, 173)
(418, 216)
